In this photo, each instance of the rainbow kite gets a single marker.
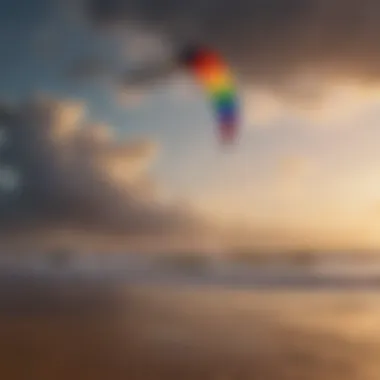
(216, 77)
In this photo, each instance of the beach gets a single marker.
(110, 331)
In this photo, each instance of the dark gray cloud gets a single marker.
(72, 175)
(266, 41)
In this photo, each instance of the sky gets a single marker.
(85, 151)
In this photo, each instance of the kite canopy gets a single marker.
(215, 75)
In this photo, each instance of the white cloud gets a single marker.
(340, 106)
(76, 175)
(260, 109)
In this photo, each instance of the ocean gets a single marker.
(66, 323)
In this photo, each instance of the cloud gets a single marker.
(64, 173)
(267, 42)
(290, 188)
(342, 106)
(89, 68)
(261, 109)
(130, 98)
(294, 167)
(310, 61)
(141, 46)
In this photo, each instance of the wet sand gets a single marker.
(89, 331)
